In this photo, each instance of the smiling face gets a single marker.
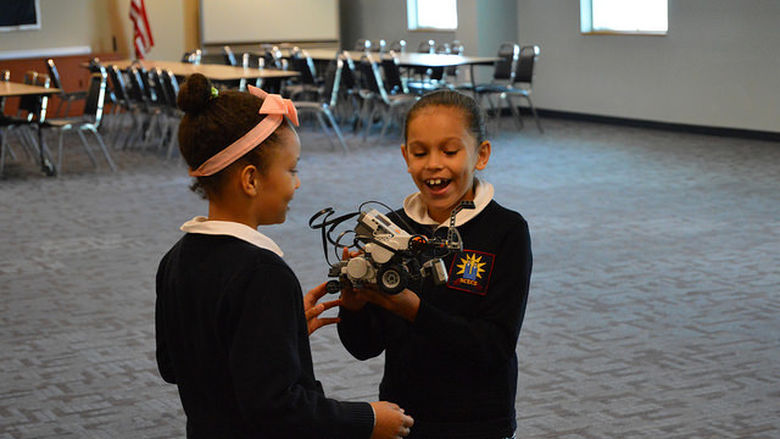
(441, 155)
(278, 183)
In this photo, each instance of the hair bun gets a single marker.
(194, 94)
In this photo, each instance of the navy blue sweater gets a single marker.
(454, 369)
(232, 335)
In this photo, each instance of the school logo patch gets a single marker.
(470, 271)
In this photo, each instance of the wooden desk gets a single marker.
(12, 89)
(215, 72)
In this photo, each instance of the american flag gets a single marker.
(142, 33)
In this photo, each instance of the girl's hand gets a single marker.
(405, 304)
(391, 421)
(313, 309)
(350, 298)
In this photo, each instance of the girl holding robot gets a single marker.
(450, 349)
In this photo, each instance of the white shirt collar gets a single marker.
(418, 211)
(202, 225)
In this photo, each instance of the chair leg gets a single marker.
(59, 107)
(3, 145)
(387, 120)
(59, 154)
(173, 143)
(103, 147)
(11, 151)
(336, 128)
(164, 128)
(515, 112)
(370, 121)
(87, 148)
(30, 145)
(533, 111)
(325, 128)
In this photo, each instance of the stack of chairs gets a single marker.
(148, 100)
(512, 77)
(376, 101)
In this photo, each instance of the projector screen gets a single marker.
(256, 21)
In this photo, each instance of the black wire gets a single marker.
(326, 214)
(327, 227)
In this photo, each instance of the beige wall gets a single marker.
(718, 66)
(93, 23)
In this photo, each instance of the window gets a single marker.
(624, 16)
(432, 14)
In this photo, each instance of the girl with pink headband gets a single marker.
(232, 324)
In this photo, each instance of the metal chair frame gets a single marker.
(89, 121)
(324, 107)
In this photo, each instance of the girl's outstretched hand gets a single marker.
(313, 309)
(391, 421)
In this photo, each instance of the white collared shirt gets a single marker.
(416, 209)
(202, 225)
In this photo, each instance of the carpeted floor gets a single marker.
(654, 309)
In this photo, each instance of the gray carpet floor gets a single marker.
(653, 311)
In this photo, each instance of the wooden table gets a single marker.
(16, 89)
(10, 89)
(215, 72)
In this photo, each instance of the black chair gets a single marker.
(398, 46)
(350, 89)
(274, 58)
(376, 101)
(324, 107)
(379, 46)
(503, 69)
(126, 106)
(362, 45)
(5, 76)
(65, 98)
(173, 114)
(143, 98)
(229, 56)
(394, 82)
(428, 76)
(192, 57)
(503, 73)
(166, 103)
(250, 60)
(522, 85)
(308, 84)
(456, 48)
(30, 116)
(89, 121)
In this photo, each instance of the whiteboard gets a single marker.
(254, 21)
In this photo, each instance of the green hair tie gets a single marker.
(214, 93)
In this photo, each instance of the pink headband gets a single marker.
(275, 107)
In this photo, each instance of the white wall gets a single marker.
(718, 66)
